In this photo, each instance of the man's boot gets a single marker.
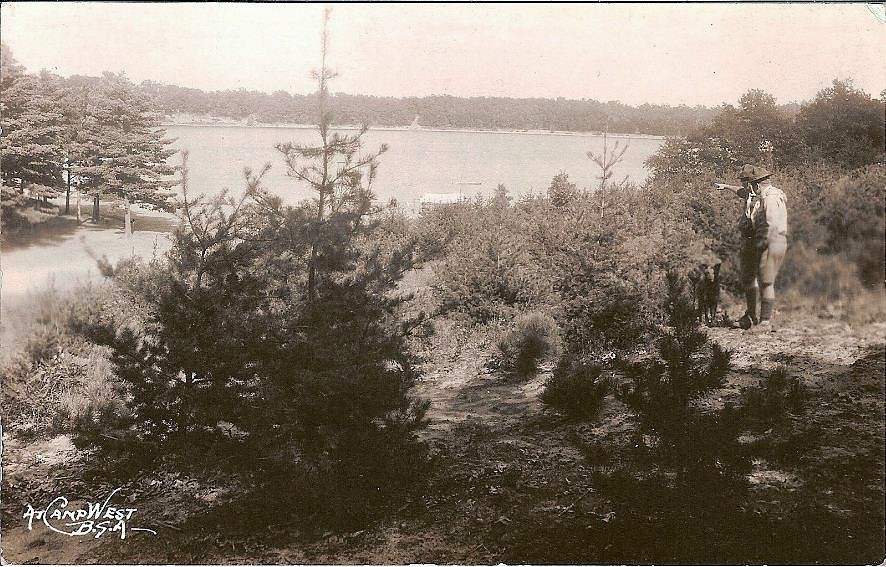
(750, 316)
(766, 308)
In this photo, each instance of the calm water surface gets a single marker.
(417, 161)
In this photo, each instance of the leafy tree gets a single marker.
(844, 125)
(756, 131)
(439, 111)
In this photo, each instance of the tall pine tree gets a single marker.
(123, 151)
(339, 174)
(30, 141)
(285, 322)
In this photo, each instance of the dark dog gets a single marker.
(706, 288)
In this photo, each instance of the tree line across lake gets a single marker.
(435, 111)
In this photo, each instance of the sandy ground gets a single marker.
(63, 254)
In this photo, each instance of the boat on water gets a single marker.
(415, 125)
(469, 183)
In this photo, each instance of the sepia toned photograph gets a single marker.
(443, 283)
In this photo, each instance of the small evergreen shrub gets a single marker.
(562, 192)
(662, 392)
(778, 395)
(532, 338)
(806, 273)
(489, 271)
(852, 210)
(575, 389)
(43, 344)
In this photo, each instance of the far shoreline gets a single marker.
(295, 126)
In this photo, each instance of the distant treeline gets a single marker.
(435, 111)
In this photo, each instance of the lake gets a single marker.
(417, 162)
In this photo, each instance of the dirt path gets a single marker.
(464, 387)
(820, 341)
(511, 475)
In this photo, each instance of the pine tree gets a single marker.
(345, 314)
(122, 149)
(283, 321)
(30, 142)
(606, 161)
(502, 197)
(664, 395)
(74, 107)
(340, 175)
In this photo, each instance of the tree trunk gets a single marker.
(127, 218)
(79, 213)
(95, 209)
(312, 270)
(68, 193)
(602, 199)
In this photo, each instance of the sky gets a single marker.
(690, 54)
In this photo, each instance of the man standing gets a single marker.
(764, 229)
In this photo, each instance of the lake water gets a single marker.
(417, 162)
